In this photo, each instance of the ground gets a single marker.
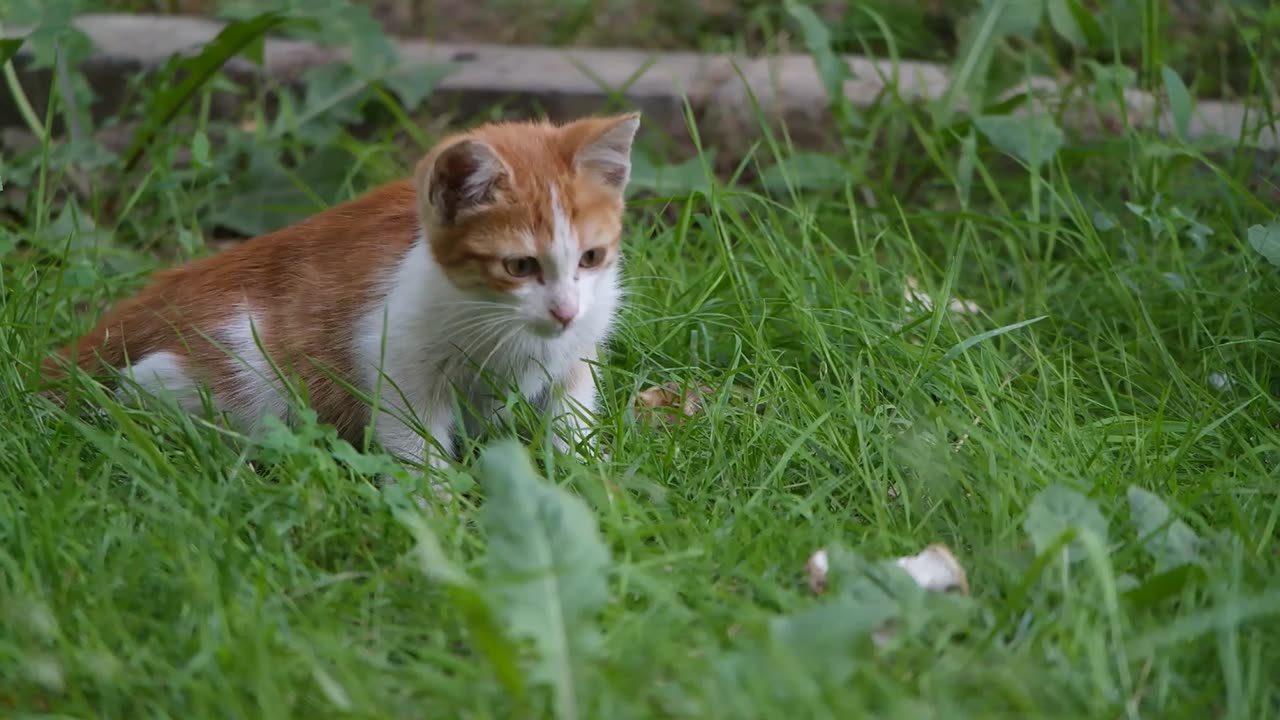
(1062, 365)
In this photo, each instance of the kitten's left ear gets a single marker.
(605, 152)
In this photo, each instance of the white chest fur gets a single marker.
(426, 340)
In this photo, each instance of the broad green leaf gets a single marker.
(52, 36)
(663, 179)
(1170, 541)
(1086, 23)
(1110, 82)
(463, 591)
(1057, 509)
(825, 639)
(195, 71)
(1064, 23)
(1162, 586)
(334, 91)
(273, 197)
(1016, 17)
(832, 68)
(8, 240)
(372, 52)
(1033, 139)
(881, 590)
(413, 84)
(1266, 240)
(546, 570)
(978, 37)
(805, 171)
(200, 149)
(1179, 101)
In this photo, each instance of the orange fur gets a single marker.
(313, 280)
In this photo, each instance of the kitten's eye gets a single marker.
(521, 266)
(591, 258)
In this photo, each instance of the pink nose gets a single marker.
(563, 315)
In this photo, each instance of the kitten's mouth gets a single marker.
(548, 330)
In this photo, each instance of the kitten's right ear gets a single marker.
(465, 176)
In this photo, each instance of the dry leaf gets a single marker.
(915, 296)
(816, 570)
(668, 403)
(918, 298)
(961, 306)
(935, 569)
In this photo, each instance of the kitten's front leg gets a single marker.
(573, 408)
(401, 440)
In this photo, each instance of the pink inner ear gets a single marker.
(608, 156)
(465, 176)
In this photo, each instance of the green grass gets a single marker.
(152, 567)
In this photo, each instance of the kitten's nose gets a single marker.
(563, 314)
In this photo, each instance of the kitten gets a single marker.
(501, 255)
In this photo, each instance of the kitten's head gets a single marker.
(530, 214)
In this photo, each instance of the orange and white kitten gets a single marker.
(501, 255)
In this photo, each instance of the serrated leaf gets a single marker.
(1033, 139)
(1057, 509)
(1179, 100)
(546, 569)
(273, 197)
(1168, 540)
(52, 37)
(195, 71)
(415, 83)
(1266, 240)
(372, 52)
(805, 171)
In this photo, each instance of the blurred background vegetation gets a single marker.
(1215, 45)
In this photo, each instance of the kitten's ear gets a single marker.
(605, 151)
(465, 176)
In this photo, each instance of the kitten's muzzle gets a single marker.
(563, 314)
